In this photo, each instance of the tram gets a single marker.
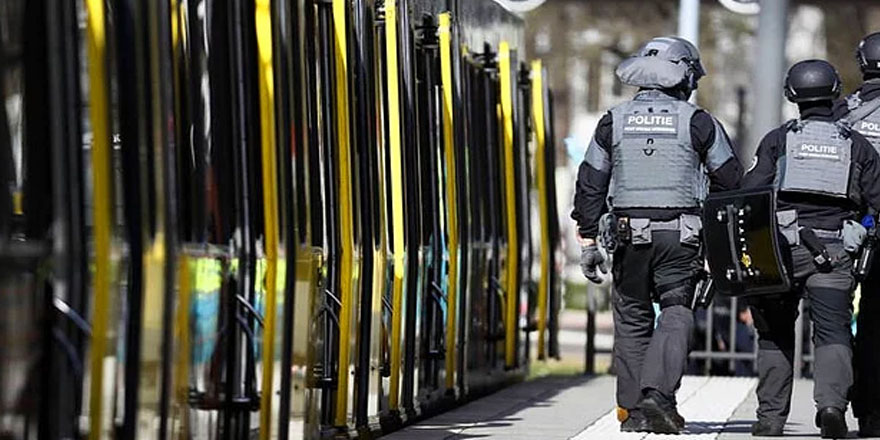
(268, 219)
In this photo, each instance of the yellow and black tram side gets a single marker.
(264, 218)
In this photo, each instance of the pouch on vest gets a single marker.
(788, 226)
(640, 231)
(691, 226)
(853, 236)
(608, 231)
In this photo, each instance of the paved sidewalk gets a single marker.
(582, 408)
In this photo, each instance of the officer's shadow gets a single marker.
(793, 430)
(717, 427)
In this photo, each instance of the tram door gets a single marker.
(431, 380)
(43, 281)
(485, 340)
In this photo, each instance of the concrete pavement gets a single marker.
(582, 408)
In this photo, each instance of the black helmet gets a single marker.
(812, 80)
(868, 53)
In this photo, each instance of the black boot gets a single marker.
(768, 428)
(679, 420)
(832, 423)
(869, 426)
(636, 422)
(661, 414)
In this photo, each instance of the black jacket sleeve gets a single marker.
(703, 134)
(869, 181)
(840, 109)
(762, 172)
(591, 189)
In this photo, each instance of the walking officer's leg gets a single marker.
(774, 319)
(676, 266)
(633, 319)
(831, 311)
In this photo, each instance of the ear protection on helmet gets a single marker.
(790, 93)
(860, 56)
(693, 75)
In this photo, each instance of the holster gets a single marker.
(817, 249)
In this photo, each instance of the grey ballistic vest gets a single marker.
(864, 117)
(653, 164)
(817, 160)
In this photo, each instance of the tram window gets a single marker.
(7, 171)
(25, 174)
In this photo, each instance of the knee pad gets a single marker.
(682, 295)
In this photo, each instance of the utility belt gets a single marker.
(615, 230)
(852, 234)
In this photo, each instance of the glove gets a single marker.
(591, 259)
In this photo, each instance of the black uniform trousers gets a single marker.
(866, 362)
(646, 357)
(830, 294)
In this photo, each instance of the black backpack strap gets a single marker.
(844, 129)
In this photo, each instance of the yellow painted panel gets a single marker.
(396, 161)
(346, 220)
(263, 19)
(102, 209)
(541, 172)
(451, 200)
(182, 348)
(505, 68)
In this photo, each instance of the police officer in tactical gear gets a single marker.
(825, 176)
(650, 164)
(861, 111)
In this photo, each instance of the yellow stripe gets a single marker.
(345, 208)
(270, 206)
(175, 24)
(17, 202)
(541, 171)
(102, 203)
(181, 357)
(395, 153)
(504, 65)
(451, 202)
(181, 366)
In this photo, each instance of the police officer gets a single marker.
(861, 111)
(652, 159)
(825, 176)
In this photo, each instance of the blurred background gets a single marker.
(746, 47)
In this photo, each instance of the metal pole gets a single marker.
(769, 72)
(710, 337)
(689, 21)
(689, 26)
(590, 352)
(590, 361)
(731, 335)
